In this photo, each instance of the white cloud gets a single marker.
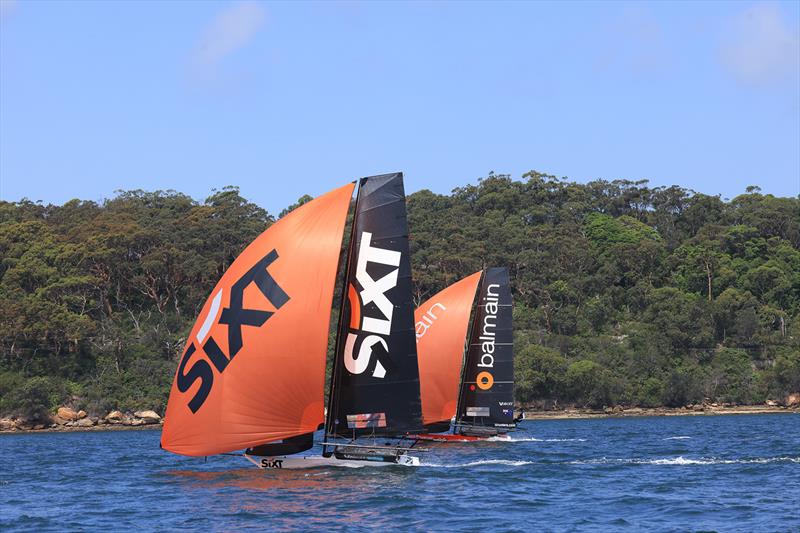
(760, 47)
(230, 30)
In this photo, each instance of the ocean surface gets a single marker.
(701, 473)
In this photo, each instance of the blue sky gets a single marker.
(284, 99)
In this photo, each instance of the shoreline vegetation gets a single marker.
(694, 410)
(151, 420)
(624, 293)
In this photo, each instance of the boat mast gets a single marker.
(336, 368)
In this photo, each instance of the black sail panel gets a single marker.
(487, 388)
(287, 446)
(375, 380)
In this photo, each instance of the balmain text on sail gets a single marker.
(489, 324)
(427, 320)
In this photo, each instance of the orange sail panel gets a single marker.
(253, 368)
(441, 325)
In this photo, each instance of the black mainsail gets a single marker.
(375, 377)
(486, 397)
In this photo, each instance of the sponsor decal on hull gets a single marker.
(272, 463)
(367, 457)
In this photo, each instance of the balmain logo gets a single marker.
(484, 379)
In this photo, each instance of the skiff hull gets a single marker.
(291, 462)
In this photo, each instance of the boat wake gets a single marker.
(680, 460)
(682, 437)
(502, 462)
(531, 439)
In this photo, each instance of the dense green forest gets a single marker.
(624, 293)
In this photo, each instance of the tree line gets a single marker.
(623, 293)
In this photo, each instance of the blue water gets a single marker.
(725, 473)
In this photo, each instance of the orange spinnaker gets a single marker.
(441, 324)
(272, 388)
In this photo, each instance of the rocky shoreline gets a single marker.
(67, 419)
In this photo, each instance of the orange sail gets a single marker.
(253, 368)
(441, 326)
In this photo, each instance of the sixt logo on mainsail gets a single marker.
(373, 291)
(234, 316)
(485, 379)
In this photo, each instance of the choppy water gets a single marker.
(726, 473)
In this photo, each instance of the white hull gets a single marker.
(294, 462)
